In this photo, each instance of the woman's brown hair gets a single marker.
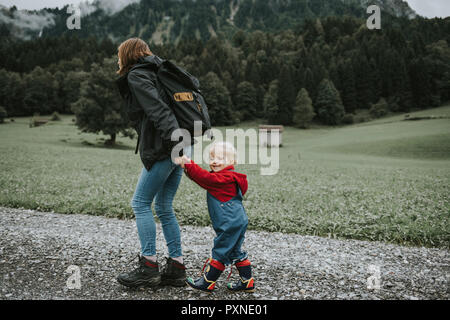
(129, 52)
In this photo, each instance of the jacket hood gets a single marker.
(240, 178)
(152, 62)
(148, 61)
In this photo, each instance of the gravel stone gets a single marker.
(40, 251)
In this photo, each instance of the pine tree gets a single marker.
(70, 88)
(380, 109)
(347, 86)
(286, 96)
(4, 84)
(328, 104)
(3, 114)
(218, 100)
(303, 110)
(245, 101)
(375, 82)
(14, 102)
(421, 86)
(363, 85)
(40, 93)
(270, 104)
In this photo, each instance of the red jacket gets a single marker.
(220, 184)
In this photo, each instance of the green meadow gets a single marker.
(386, 180)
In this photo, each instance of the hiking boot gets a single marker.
(208, 280)
(246, 283)
(145, 275)
(174, 274)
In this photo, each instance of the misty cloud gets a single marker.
(108, 6)
(28, 20)
(25, 22)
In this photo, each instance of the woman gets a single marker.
(154, 122)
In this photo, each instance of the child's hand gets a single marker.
(178, 161)
(185, 159)
(181, 161)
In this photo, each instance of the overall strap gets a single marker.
(239, 192)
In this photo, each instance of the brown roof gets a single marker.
(271, 127)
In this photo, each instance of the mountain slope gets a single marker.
(397, 8)
(161, 21)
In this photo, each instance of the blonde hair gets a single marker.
(130, 51)
(227, 148)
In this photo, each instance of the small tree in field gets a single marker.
(328, 104)
(303, 110)
(380, 109)
(100, 107)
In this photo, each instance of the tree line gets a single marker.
(325, 71)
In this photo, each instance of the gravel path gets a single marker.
(37, 249)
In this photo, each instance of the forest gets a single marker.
(324, 69)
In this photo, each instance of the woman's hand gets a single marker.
(181, 161)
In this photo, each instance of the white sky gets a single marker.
(38, 4)
(431, 8)
(426, 8)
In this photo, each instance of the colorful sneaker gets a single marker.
(207, 281)
(246, 283)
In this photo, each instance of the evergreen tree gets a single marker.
(421, 84)
(379, 109)
(40, 93)
(329, 107)
(308, 81)
(245, 101)
(4, 83)
(3, 114)
(347, 86)
(70, 88)
(270, 104)
(303, 110)
(437, 60)
(363, 84)
(218, 100)
(286, 96)
(14, 94)
(375, 81)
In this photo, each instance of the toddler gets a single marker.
(225, 188)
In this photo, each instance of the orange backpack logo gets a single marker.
(183, 96)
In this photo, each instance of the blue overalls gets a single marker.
(229, 221)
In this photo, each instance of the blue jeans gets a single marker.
(159, 184)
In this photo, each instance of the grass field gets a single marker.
(386, 180)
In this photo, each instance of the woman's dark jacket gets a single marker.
(148, 110)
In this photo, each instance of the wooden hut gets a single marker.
(270, 136)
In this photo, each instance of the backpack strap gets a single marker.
(137, 144)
